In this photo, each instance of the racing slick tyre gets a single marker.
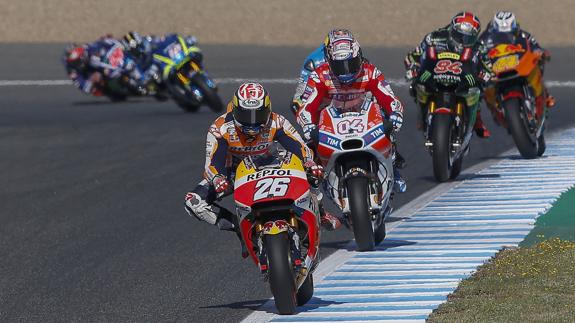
(524, 140)
(305, 292)
(360, 216)
(211, 97)
(281, 278)
(441, 139)
(541, 145)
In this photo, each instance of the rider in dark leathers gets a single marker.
(504, 28)
(460, 37)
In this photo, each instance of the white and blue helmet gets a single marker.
(504, 22)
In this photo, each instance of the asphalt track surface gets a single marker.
(92, 226)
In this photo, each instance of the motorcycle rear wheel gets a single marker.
(441, 138)
(360, 217)
(281, 278)
(526, 145)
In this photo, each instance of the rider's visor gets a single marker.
(346, 70)
(252, 117)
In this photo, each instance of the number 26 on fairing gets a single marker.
(271, 187)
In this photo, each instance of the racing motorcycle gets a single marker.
(277, 215)
(182, 76)
(121, 78)
(518, 97)
(356, 150)
(449, 93)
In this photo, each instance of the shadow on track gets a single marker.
(245, 305)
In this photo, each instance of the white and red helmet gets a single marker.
(464, 29)
(343, 54)
(251, 108)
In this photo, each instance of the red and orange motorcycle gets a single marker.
(517, 97)
(278, 212)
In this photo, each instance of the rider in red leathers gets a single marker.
(345, 80)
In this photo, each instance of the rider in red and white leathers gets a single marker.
(345, 80)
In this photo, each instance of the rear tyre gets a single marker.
(211, 97)
(305, 291)
(282, 282)
(441, 138)
(360, 216)
(541, 145)
(526, 145)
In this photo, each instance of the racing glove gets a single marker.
(220, 183)
(199, 208)
(310, 132)
(396, 119)
(411, 72)
(314, 172)
(485, 76)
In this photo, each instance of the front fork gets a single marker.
(375, 190)
(276, 227)
(467, 107)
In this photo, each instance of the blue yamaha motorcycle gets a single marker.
(181, 75)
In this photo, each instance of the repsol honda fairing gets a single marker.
(278, 219)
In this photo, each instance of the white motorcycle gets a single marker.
(357, 152)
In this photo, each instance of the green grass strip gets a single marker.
(559, 222)
(534, 284)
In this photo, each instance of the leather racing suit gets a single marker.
(323, 88)
(490, 39)
(106, 62)
(316, 58)
(437, 42)
(225, 148)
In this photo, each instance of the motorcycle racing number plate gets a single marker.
(348, 126)
(271, 187)
(448, 66)
(116, 57)
(175, 52)
(505, 63)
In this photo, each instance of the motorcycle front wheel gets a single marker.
(441, 139)
(357, 193)
(281, 278)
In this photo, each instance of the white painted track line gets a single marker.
(442, 238)
(237, 80)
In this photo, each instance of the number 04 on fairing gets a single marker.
(356, 150)
(278, 217)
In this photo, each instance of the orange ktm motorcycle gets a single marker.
(517, 98)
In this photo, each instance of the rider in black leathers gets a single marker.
(460, 37)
